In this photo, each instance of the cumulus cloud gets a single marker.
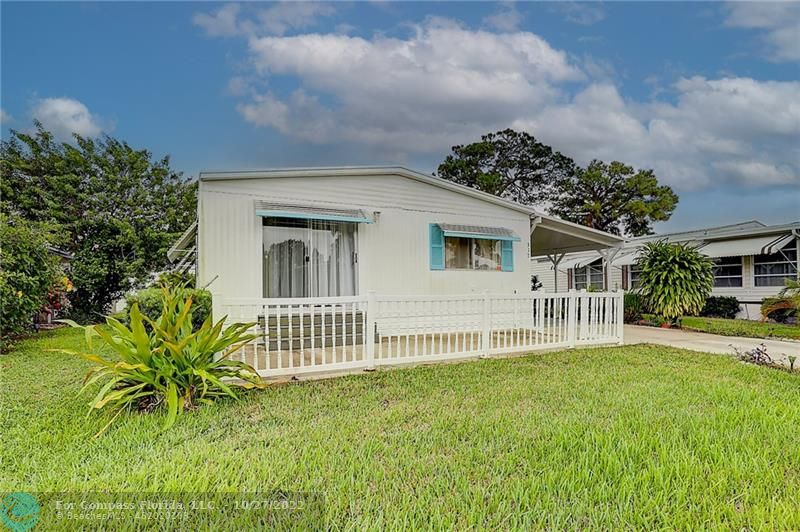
(727, 130)
(507, 18)
(780, 22)
(442, 80)
(65, 116)
(5, 118)
(445, 84)
(230, 20)
(222, 23)
(583, 13)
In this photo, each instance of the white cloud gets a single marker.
(507, 18)
(286, 16)
(780, 22)
(442, 80)
(5, 118)
(446, 84)
(65, 116)
(583, 13)
(735, 130)
(230, 20)
(222, 23)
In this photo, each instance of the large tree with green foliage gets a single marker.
(613, 197)
(118, 208)
(28, 271)
(510, 164)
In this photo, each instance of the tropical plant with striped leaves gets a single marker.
(163, 363)
(676, 279)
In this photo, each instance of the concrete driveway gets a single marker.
(778, 350)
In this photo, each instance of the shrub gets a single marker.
(633, 307)
(720, 307)
(675, 280)
(28, 272)
(151, 301)
(165, 363)
(785, 305)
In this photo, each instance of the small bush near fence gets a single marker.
(164, 363)
(634, 307)
(151, 301)
(720, 307)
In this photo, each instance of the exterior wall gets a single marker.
(544, 271)
(393, 253)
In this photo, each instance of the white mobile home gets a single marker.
(385, 263)
(753, 260)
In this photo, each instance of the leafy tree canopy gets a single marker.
(118, 208)
(509, 163)
(614, 198)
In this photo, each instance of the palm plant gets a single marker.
(164, 363)
(787, 302)
(676, 279)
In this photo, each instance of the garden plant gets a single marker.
(164, 362)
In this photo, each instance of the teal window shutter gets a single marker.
(507, 256)
(437, 247)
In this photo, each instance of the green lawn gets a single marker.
(634, 437)
(752, 329)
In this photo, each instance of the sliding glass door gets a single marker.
(309, 258)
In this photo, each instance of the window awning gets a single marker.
(310, 212)
(578, 262)
(476, 231)
(762, 245)
(627, 259)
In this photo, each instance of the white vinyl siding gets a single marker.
(393, 252)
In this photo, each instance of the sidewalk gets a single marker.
(778, 350)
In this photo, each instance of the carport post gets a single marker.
(608, 255)
(555, 259)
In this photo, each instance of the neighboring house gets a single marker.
(322, 232)
(753, 260)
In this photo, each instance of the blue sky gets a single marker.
(704, 93)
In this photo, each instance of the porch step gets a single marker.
(337, 328)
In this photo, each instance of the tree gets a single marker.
(613, 198)
(675, 279)
(118, 208)
(509, 163)
(28, 271)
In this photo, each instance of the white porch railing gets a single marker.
(317, 335)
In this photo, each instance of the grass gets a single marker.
(752, 329)
(634, 437)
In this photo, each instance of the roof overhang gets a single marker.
(550, 235)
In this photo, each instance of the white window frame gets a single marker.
(593, 266)
(732, 263)
(495, 241)
(786, 260)
(631, 269)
